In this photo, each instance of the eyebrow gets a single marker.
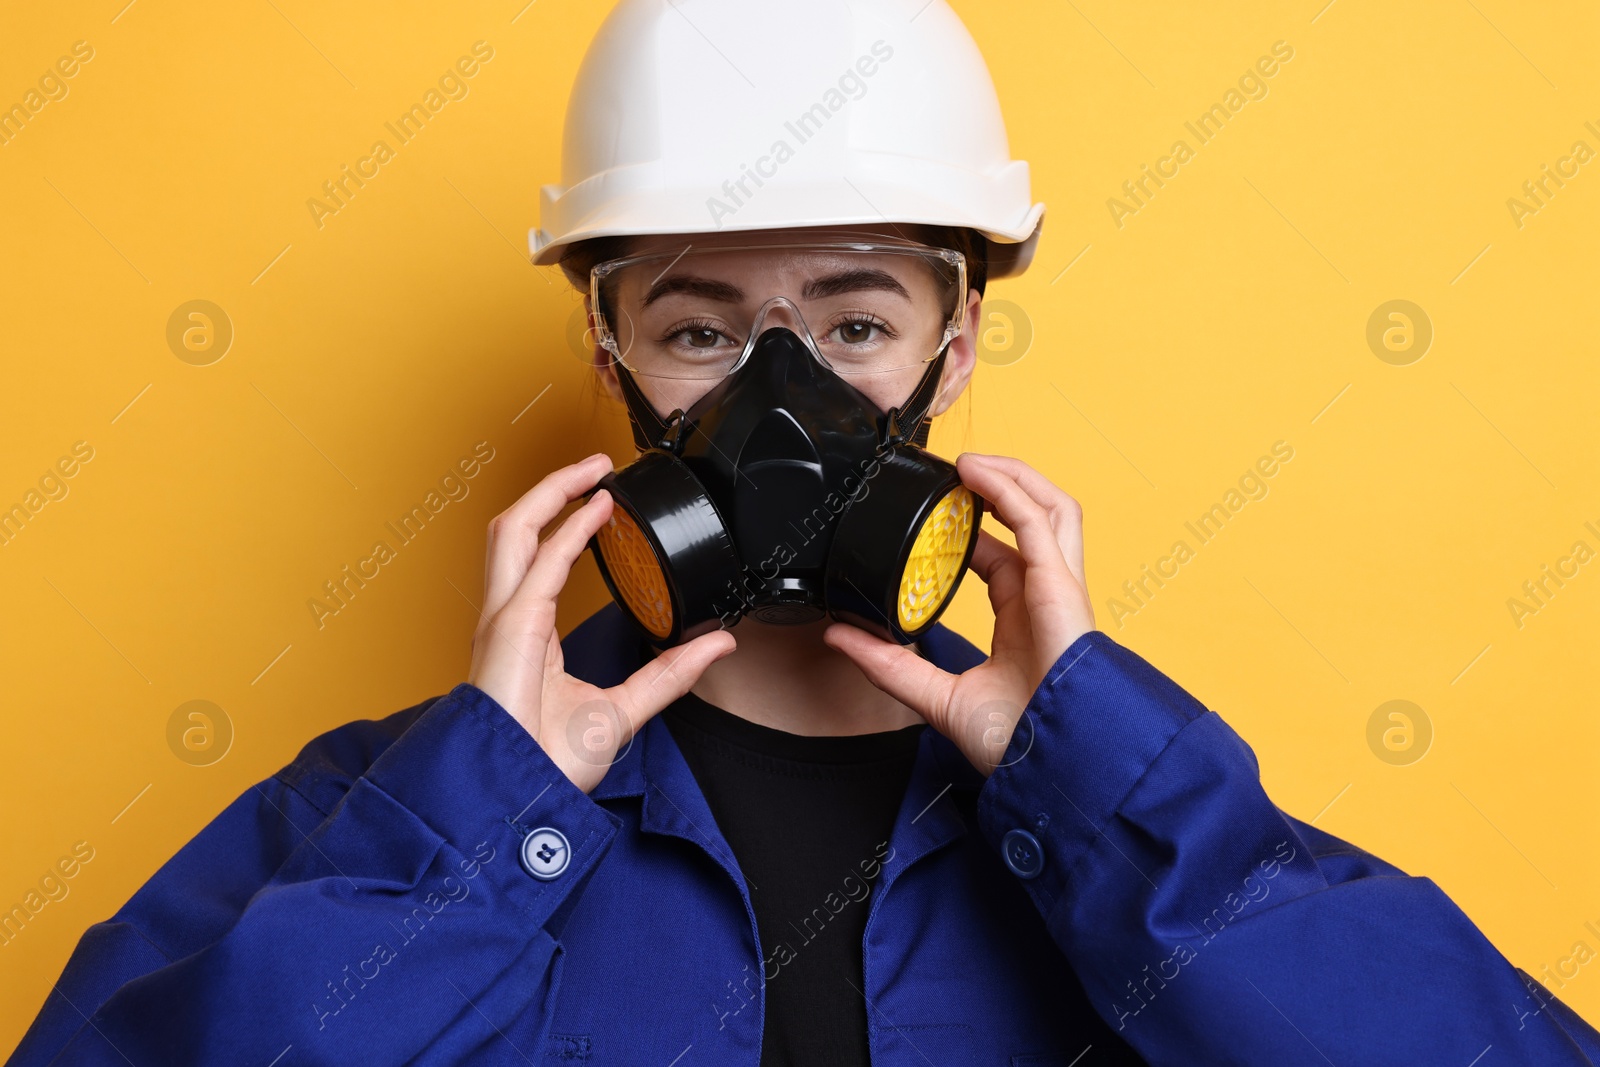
(685, 283)
(847, 281)
(850, 281)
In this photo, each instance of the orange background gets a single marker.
(1166, 355)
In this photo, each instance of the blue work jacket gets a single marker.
(1121, 882)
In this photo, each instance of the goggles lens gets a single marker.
(865, 307)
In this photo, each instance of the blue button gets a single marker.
(545, 853)
(1023, 854)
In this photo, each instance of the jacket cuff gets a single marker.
(1094, 726)
(479, 780)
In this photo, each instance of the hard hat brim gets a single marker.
(693, 212)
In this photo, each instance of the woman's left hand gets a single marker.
(1041, 606)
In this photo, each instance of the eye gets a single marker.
(700, 338)
(860, 331)
(697, 336)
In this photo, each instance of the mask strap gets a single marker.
(910, 420)
(649, 430)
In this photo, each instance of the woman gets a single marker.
(729, 835)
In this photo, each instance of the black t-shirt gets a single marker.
(808, 819)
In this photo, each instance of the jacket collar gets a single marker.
(605, 649)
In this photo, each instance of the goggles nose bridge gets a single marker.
(780, 311)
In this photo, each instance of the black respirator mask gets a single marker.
(784, 493)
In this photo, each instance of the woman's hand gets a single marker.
(1041, 606)
(516, 654)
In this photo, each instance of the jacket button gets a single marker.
(545, 853)
(1023, 854)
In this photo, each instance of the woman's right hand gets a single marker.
(516, 653)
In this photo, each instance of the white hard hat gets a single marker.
(703, 116)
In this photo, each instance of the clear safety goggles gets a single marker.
(862, 307)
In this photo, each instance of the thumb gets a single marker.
(893, 668)
(670, 675)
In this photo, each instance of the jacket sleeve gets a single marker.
(1207, 926)
(356, 910)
